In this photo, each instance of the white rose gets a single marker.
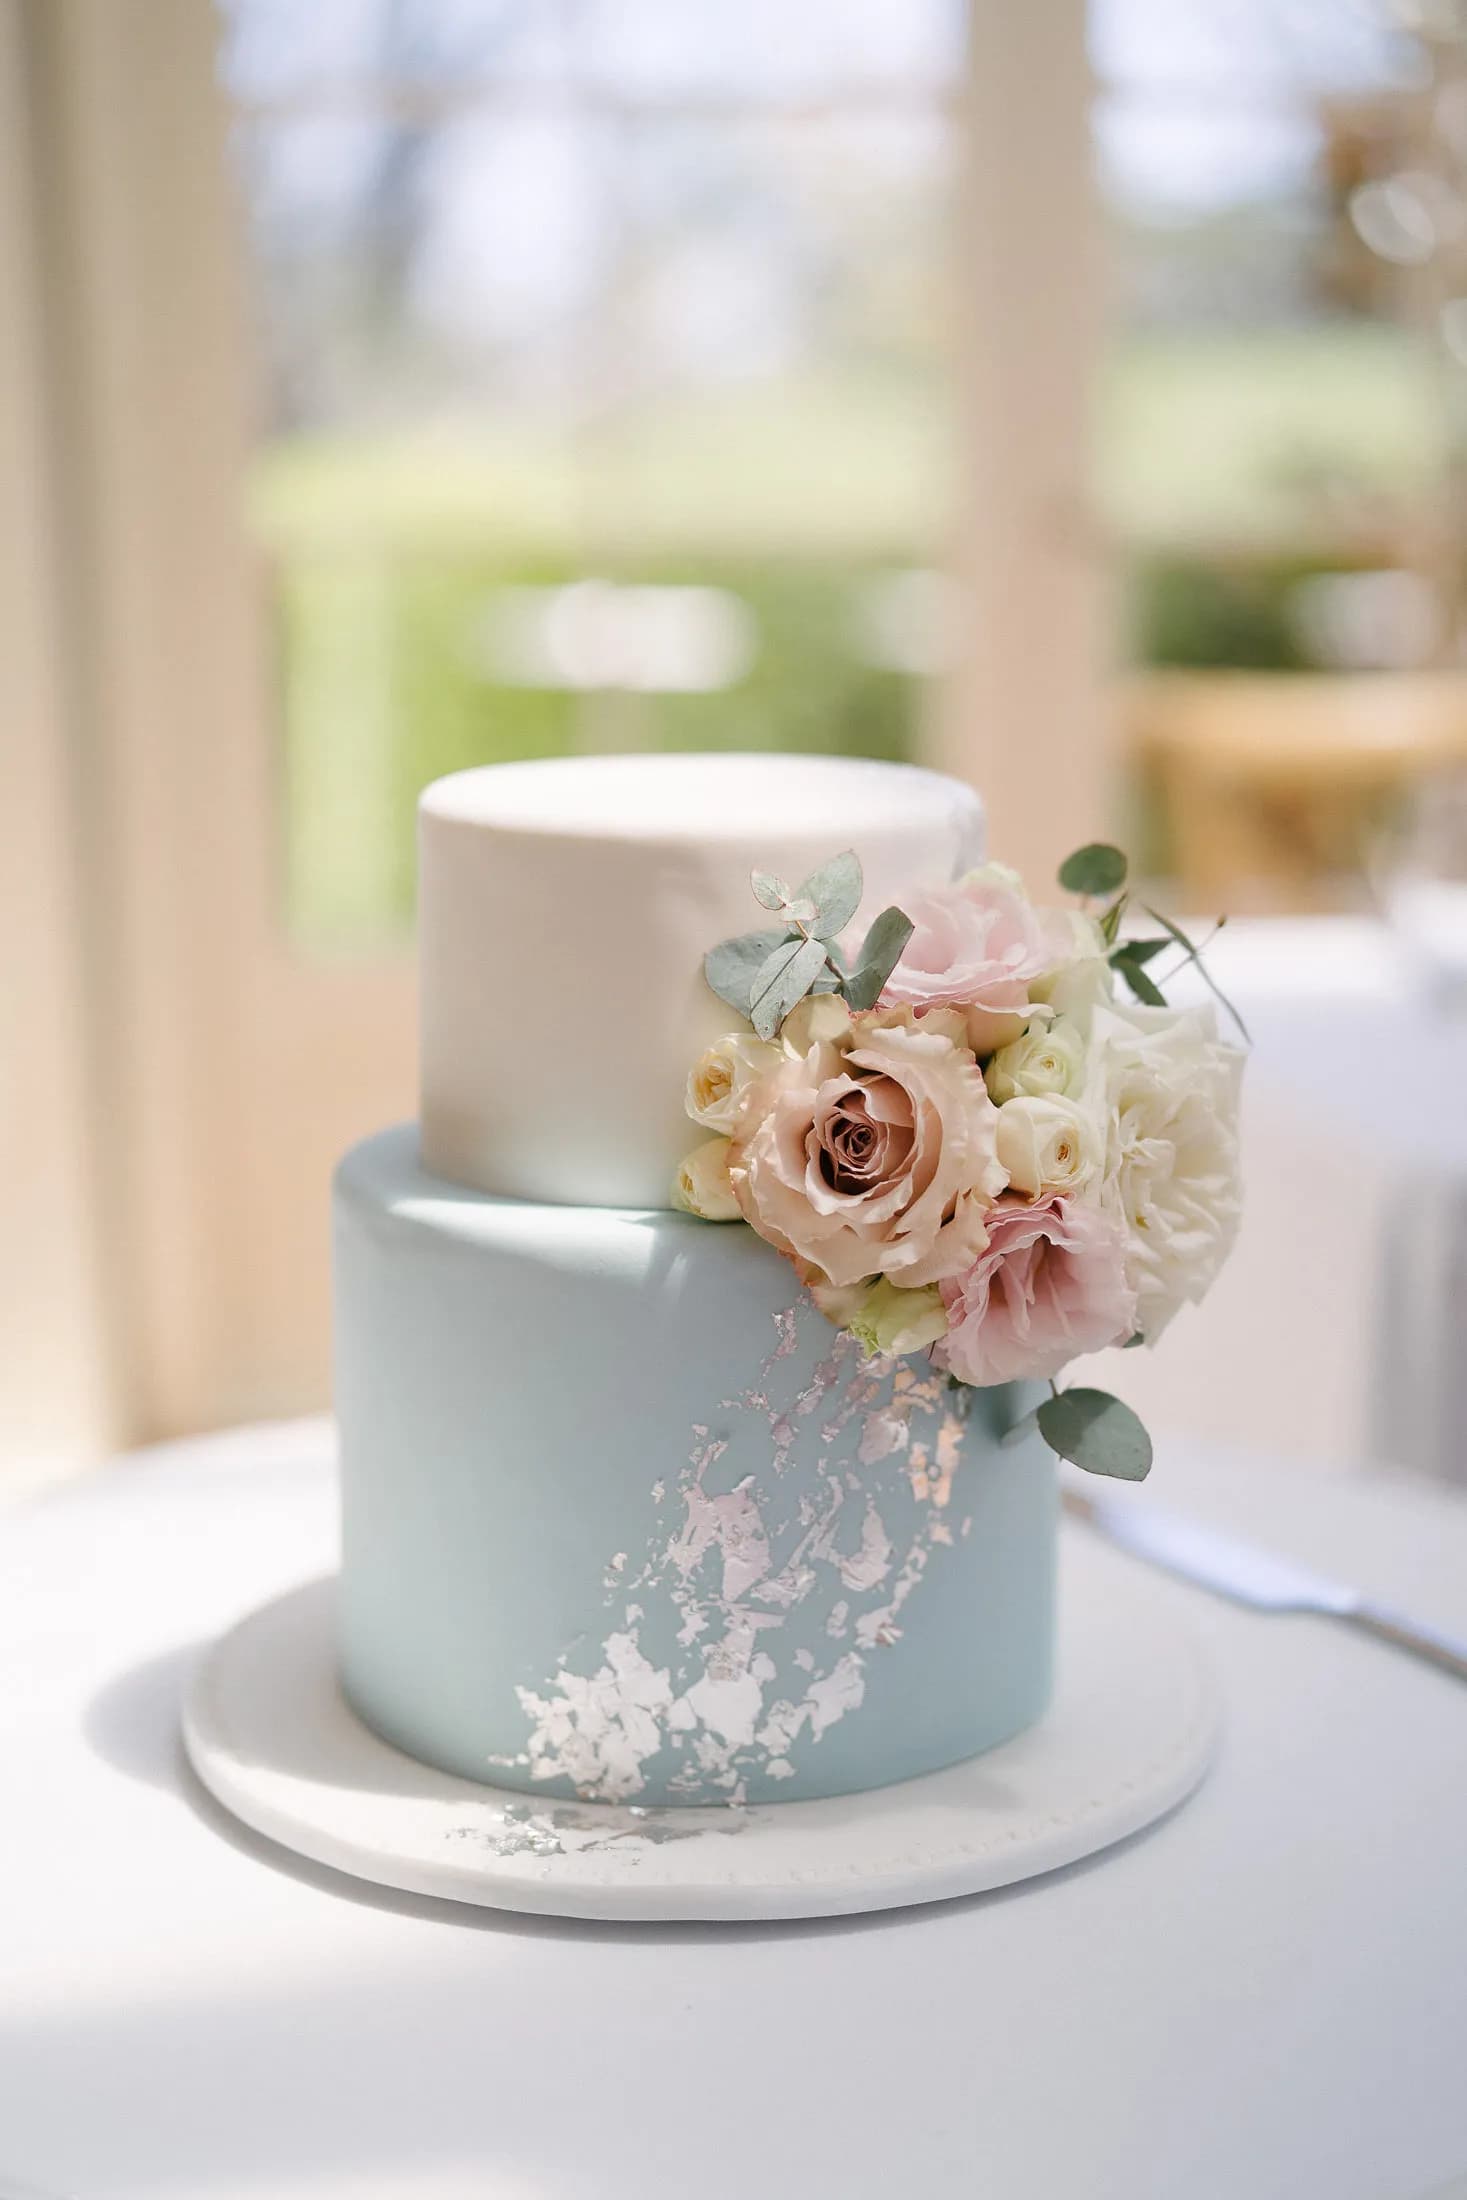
(701, 1186)
(1166, 1088)
(1050, 1144)
(722, 1074)
(1050, 1058)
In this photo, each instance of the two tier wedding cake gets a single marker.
(695, 1462)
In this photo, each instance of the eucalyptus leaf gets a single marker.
(770, 892)
(785, 977)
(1110, 923)
(1140, 951)
(880, 954)
(801, 911)
(1097, 1432)
(1097, 868)
(835, 889)
(733, 965)
(1018, 1430)
(1145, 988)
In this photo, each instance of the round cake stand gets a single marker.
(1129, 1735)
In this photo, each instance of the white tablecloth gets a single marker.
(1264, 1998)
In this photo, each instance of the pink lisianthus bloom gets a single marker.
(1049, 1286)
(981, 946)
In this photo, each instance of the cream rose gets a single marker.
(1167, 1088)
(876, 1158)
(818, 1016)
(1050, 1144)
(719, 1078)
(1050, 1058)
(701, 1186)
(950, 1023)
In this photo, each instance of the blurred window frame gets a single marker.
(225, 1069)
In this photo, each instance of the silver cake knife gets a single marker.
(1253, 1576)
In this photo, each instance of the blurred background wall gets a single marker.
(1068, 395)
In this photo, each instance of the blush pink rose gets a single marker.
(872, 1158)
(980, 946)
(1050, 1286)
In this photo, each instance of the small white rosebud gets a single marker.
(1048, 1059)
(702, 1185)
(1049, 1144)
(722, 1074)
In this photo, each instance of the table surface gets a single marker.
(1266, 1995)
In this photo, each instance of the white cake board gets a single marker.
(1129, 1735)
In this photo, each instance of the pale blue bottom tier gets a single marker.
(624, 1518)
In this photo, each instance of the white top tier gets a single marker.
(564, 912)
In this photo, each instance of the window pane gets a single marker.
(424, 293)
(282, 49)
(1272, 418)
(785, 432)
(428, 271)
(585, 428)
(765, 48)
(1255, 397)
(1304, 46)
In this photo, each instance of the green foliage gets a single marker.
(1110, 920)
(770, 892)
(764, 974)
(1097, 1432)
(1194, 955)
(1199, 613)
(1099, 868)
(879, 956)
(1141, 951)
(835, 893)
(784, 978)
(1096, 868)
(733, 965)
(1143, 987)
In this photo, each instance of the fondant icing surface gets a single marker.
(565, 908)
(624, 1518)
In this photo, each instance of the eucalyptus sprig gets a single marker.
(1098, 870)
(765, 974)
(1096, 1431)
(1092, 1429)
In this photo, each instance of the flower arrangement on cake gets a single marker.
(983, 1135)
